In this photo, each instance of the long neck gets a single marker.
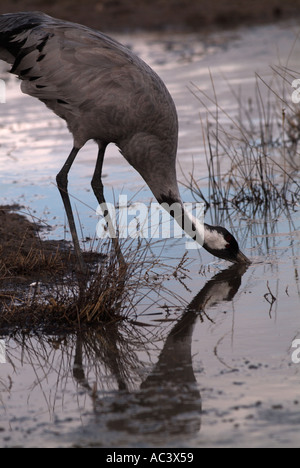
(191, 225)
(165, 189)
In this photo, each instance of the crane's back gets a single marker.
(97, 85)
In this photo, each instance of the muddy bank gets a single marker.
(126, 15)
(41, 285)
(25, 254)
(43, 289)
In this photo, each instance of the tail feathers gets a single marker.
(14, 32)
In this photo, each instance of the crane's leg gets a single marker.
(62, 183)
(97, 187)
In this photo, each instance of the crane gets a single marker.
(106, 93)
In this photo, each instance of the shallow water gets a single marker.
(217, 371)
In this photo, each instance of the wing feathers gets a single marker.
(97, 85)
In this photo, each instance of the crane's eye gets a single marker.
(228, 238)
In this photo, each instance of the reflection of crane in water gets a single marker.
(105, 93)
(168, 401)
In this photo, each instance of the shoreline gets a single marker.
(161, 15)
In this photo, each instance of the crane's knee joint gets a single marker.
(62, 180)
(97, 185)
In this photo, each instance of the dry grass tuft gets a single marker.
(42, 289)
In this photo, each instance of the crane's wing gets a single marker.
(64, 62)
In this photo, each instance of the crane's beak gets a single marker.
(241, 258)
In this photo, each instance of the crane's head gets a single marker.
(219, 242)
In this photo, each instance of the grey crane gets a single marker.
(106, 93)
